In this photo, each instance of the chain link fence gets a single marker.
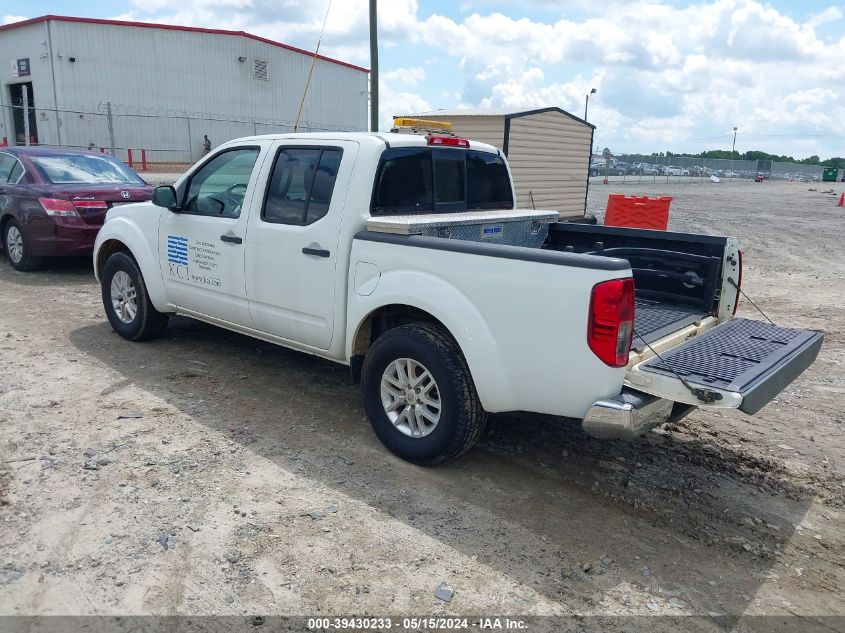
(647, 168)
(147, 138)
(143, 137)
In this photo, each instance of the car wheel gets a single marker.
(126, 302)
(419, 395)
(17, 250)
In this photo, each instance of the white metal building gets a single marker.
(548, 150)
(166, 86)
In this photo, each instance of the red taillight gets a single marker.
(738, 282)
(447, 141)
(58, 208)
(611, 326)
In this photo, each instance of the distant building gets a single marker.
(548, 150)
(167, 86)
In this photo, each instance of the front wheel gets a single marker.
(419, 395)
(126, 302)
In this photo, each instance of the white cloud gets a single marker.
(831, 14)
(9, 19)
(668, 75)
(404, 76)
(393, 102)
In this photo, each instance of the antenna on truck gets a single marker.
(311, 71)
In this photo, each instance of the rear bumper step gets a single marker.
(630, 414)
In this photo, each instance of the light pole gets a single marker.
(373, 66)
(587, 102)
(733, 154)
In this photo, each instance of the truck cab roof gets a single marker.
(384, 139)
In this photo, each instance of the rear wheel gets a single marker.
(17, 250)
(126, 302)
(419, 395)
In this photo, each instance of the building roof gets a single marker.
(175, 27)
(508, 113)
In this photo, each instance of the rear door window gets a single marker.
(301, 185)
(17, 172)
(425, 180)
(6, 165)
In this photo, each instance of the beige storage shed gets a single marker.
(548, 150)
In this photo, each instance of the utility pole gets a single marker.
(25, 104)
(373, 66)
(587, 102)
(110, 120)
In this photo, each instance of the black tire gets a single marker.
(462, 418)
(27, 261)
(148, 322)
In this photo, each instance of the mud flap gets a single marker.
(746, 363)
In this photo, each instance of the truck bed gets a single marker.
(678, 276)
(654, 319)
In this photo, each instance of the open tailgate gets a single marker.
(739, 364)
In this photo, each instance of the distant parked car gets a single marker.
(617, 169)
(650, 170)
(54, 201)
(677, 171)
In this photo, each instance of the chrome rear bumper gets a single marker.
(629, 415)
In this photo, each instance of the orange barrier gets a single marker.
(638, 212)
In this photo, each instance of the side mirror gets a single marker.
(165, 196)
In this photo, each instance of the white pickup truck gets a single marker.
(404, 257)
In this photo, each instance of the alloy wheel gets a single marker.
(124, 297)
(410, 397)
(14, 244)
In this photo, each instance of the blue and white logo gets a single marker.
(177, 250)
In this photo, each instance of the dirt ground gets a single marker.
(209, 473)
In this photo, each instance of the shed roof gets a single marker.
(494, 112)
(176, 27)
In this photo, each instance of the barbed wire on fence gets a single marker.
(164, 134)
(172, 135)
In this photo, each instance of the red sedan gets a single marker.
(53, 201)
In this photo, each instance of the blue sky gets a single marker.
(670, 75)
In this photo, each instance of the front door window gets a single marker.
(218, 188)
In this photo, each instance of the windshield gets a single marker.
(64, 169)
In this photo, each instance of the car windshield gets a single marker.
(64, 169)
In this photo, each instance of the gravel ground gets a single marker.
(209, 473)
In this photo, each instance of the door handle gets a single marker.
(234, 239)
(319, 252)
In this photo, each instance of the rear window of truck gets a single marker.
(425, 180)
